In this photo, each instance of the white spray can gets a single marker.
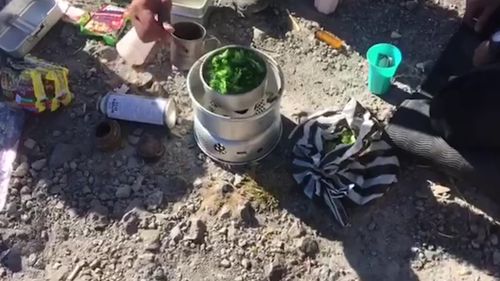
(157, 111)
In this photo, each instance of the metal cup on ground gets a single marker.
(190, 42)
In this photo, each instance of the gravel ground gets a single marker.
(76, 213)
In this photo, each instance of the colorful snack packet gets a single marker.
(108, 23)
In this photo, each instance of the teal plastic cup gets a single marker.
(381, 73)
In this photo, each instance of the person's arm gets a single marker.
(151, 19)
(479, 12)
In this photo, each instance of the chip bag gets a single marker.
(107, 23)
(35, 85)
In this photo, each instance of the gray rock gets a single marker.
(137, 185)
(176, 233)
(39, 164)
(198, 183)
(410, 5)
(424, 67)
(396, 35)
(159, 274)
(151, 239)
(154, 200)
(123, 192)
(309, 247)
(246, 264)
(130, 222)
(196, 232)
(225, 263)
(276, 271)
(247, 214)
(258, 34)
(133, 139)
(21, 170)
(30, 144)
(296, 230)
(494, 239)
(62, 153)
(32, 258)
(496, 257)
(25, 190)
(238, 180)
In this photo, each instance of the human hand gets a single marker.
(482, 55)
(479, 12)
(151, 19)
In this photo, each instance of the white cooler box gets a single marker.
(24, 22)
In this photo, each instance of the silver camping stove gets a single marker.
(243, 137)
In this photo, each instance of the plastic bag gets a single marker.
(11, 126)
(35, 85)
(326, 6)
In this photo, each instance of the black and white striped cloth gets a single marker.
(326, 168)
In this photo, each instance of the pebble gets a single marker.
(151, 239)
(258, 34)
(276, 271)
(494, 239)
(225, 263)
(496, 257)
(309, 247)
(159, 274)
(246, 264)
(30, 144)
(21, 170)
(25, 190)
(62, 153)
(123, 192)
(396, 35)
(176, 233)
(238, 180)
(154, 200)
(133, 139)
(410, 5)
(247, 214)
(32, 258)
(198, 183)
(196, 231)
(39, 164)
(424, 67)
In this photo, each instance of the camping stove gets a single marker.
(237, 138)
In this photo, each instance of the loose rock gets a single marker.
(309, 247)
(154, 200)
(176, 233)
(151, 239)
(123, 192)
(296, 230)
(197, 231)
(21, 170)
(496, 257)
(396, 35)
(61, 154)
(39, 164)
(276, 271)
(225, 263)
(246, 264)
(30, 144)
(247, 214)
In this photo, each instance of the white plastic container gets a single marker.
(326, 6)
(190, 10)
(24, 22)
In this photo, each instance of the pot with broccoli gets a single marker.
(235, 77)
